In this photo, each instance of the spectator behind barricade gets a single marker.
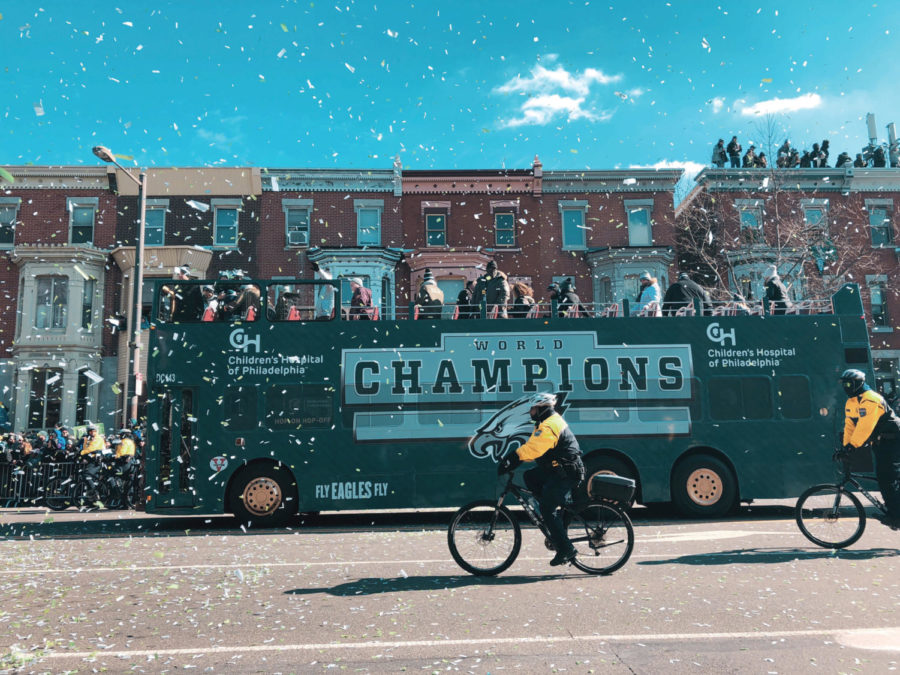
(719, 154)
(682, 293)
(211, 304)
(186, 301)
(465, 301)
(523, 300)
(5, 424)
(776, 293)
(649, 291)
(430, 298)
(493, 290)
(859, 162)
(361, 307)
(750, 158)
(734, 152)
(784, 155)
(324, 304)
(843, 161)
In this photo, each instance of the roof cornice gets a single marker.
(56, 178)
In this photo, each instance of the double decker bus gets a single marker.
(270, 408)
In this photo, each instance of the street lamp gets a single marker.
(134, 340)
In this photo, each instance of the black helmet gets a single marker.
(853, 381)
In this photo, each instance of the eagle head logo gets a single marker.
(507, 429)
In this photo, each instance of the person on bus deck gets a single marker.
(466, 303)
(361, 307)
(682, 294)
(649, 292)
(324, 305)
(560, 469)
(523, 300)
(870, 422)
(430, 298)
(211, 304)
(776, 293)
(185, 302)
(287, 308)
(247, 304)
(492, 289)
(567, 301)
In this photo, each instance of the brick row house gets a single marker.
(69, 236)
(819, 227)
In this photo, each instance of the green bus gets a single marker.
(275, 407)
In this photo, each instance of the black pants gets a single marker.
(887, 471)
(550, 488)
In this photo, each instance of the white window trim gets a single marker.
(507, 211)
(818, 204)
(217, 204)
(15, 202)
(882, 281)
(82, 202)
(157, 205)
(887, 204)
(639, 205)
(368, 204)
(572, 205)
(290, 204)
(446, 215)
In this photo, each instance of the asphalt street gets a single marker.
(128, 592)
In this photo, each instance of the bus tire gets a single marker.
(703, 486)
(600, 465)
(263, 495)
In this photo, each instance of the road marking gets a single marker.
(799, 553)
(863, 634)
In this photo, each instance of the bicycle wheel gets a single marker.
(603, 538)
(58, 493)
(484, 539)
(830, 516)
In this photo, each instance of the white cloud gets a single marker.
(783, 105)
(717, 104)
(691, 169)
(556, 93)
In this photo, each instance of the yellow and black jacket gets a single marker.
(869, 417)
(552, 443)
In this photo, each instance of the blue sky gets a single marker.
(445, 85)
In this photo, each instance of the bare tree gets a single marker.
(769, 130)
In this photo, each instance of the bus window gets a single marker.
(299, 405)
(856, 355)
(239, 408)
(287, 302)
(736, 398)
(246, 305)
(794, 397)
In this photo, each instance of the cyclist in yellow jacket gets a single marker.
(554, 448)
(93, 444)
(870, 421)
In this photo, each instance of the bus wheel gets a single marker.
(264, 495)
(703, 486)
(598, 466)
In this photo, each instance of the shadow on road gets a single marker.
(376, 585)
(772, 555)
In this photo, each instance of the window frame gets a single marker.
(442, 230)
(14, 203)
(645, 206)
(881, 322)
(155, 206)
(887, 224)
(92, 203)
(289, 205)
(511, 229)
(366, 205)
(571, 206)
(220, 206)
(63, 305)
(821, 205)
(44, 400)
(752, 234)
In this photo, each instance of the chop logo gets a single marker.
(715, 333)
(240, 340)
(507, 429)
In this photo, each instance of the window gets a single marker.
(436, 229)
(794, 397)
(737, 398)
(881, 228)
(239, 408)
(368, 221)
(878, 300)
(226, 222)
(814, 216)
(87, 304)
(9, 211)
(52, 302)
(750, 216)
(296, 221)
(505, 226)
(45, 398)
(82, 399)
(81, 219)
(289, 406)
(640, 230)
(573, 228)
(155, 227)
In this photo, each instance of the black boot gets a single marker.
(563, 557)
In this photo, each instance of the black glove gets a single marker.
(508, 463)
(842, 453)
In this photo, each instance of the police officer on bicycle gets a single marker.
(869, 421)
(553, 447)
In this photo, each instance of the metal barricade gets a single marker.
(25, 484)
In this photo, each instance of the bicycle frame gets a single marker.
(850, 478)
(520, 492)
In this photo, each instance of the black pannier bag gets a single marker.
(611, 488)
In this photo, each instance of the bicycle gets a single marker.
(830, 515)
(485, 538)
(84, 490)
